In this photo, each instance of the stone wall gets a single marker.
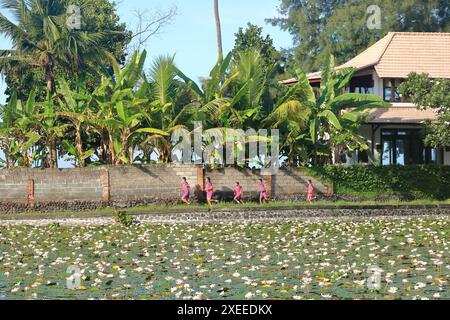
(285, 184)
(88, 188)
(50, 185)
(148, 182)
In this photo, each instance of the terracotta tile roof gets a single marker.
(401, 115)
(400, 53)
(419, 52)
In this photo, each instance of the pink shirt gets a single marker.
(262, 187)
(185, 187)
(310, 188)
(238, 191)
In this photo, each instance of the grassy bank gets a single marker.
(106, 212)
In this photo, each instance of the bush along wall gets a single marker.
(420, 181)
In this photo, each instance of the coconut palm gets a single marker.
(41, 39)
(218, 28)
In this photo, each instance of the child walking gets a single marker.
(262, 192)
(311, 188)
(209, 191)
(186, 192)
(238, 193)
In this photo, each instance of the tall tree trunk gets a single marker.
(79, 146)
(112, 151)
(131, 154)
(9, 162)
(218, 28)
(53, 155)
(50, 78)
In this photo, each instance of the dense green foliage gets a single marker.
(130, 116)
(431, 93)
(44, 49)
(423, 181)
(251, 38)
(340, 26)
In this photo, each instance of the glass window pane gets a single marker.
(400, 144)
(388, 153)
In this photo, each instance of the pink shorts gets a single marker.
(209, 195)
(263, 194)
(186, 195)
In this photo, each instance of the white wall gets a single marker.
(447, 158)
(378, 84)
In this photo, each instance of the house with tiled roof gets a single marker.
(396, 133)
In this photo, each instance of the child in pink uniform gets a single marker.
(311, 196)
(262, 192)
(209, 191)
(186, 191)
(238, 193)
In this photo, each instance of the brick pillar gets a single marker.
(105, 184)
(269, 186)
(200, 188)
(30, 193)
(201, 178)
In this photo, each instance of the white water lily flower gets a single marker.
(249, 296)
(419, 285)
(393, 290)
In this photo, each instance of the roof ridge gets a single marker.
(420, 33)
(386, 46)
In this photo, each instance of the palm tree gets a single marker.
(218, 28)
(41, 39)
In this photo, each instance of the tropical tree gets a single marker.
(17, 132)
(218, 28)
(426, 92)
(52, 131)
(42, 40)
(75, 110)
(328, 114)
(121, 110)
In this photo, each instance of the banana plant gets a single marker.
(18, 136)
(73, 151)
(51, 129)
(317, 116)
(75, 106)
(122, 111)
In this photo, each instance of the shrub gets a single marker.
(423, 181)
(124, 219)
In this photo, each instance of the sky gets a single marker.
(191, 36)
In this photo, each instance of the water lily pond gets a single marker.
(331, 259)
